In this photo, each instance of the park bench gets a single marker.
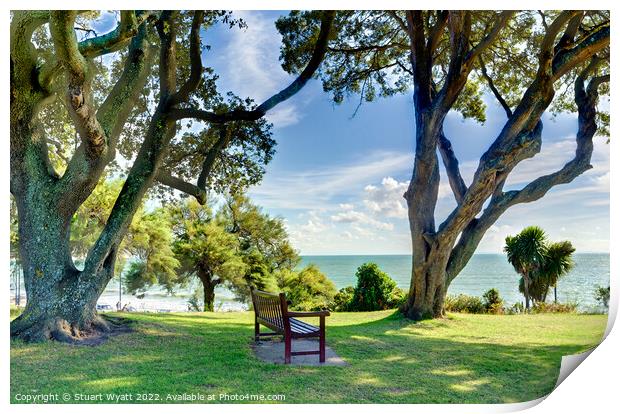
(271, 310)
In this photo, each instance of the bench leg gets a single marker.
(256, 331)
(322, 340)
(287, 349)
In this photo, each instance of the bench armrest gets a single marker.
(306, 314)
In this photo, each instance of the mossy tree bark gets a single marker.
(61, 300)
(209, 283)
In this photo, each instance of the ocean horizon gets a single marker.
(483, 272)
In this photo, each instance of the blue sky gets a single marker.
(338, 180)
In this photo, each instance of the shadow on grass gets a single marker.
(391, 360)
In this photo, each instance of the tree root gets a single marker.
(58, 329)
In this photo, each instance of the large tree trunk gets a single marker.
(208, 288)
(526, 291)
(209, 293)
(61, 300)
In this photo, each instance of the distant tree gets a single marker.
(529, 61)
(307, 289)
(374, 290)
(493, 302)
(601, 294)
(205, 249)
(558, 262)
(263, 244)
(526, 253)
(147, 243)
(343, 299)
(238, 246)
(149, 247)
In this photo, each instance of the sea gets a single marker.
(483, 272)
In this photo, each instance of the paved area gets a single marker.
(273, 351)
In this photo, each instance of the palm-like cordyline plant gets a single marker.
(558, 262)
(526, 253)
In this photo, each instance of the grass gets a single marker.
(460, 359)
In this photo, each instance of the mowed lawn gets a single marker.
(459, 359)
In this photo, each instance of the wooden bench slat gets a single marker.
(298, 326)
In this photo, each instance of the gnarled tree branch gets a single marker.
(586, 99)
(117, 38)
(167, 179)
(451, 163)
(195, 60)
(320, 48)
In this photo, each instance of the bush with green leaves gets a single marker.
(308, 289)
(342, 299)
(543, 307)
(375, 290)
(15, 311)
(601, 294)
(464, 304)
(515, 309)
(493, 302)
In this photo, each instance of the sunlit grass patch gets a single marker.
(461, 359)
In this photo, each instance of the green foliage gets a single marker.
(369, 56)
(92, 215)
(515, 309)
(204, 247)
(557, 263)
(493, 303)
(343, 299)
(541, 262)
(542, 307)
(526, 251)
(263, 245)
(308, 289)
(149, 241)
(15, 311)
(601, 295)
(374, 290)
(464, 304)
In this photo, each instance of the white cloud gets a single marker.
(252, 66)
(352, 216)
(315, 188)
(387, 200)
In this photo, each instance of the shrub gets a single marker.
(493, 303)
(464, 304)
(374, 289)
(196, 302)
(15, 311)
(397, 298)
(308, 289)
(515, 309)
(343, 299)
(601, 294)
(543, 307)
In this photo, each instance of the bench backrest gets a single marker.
(270, 309)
